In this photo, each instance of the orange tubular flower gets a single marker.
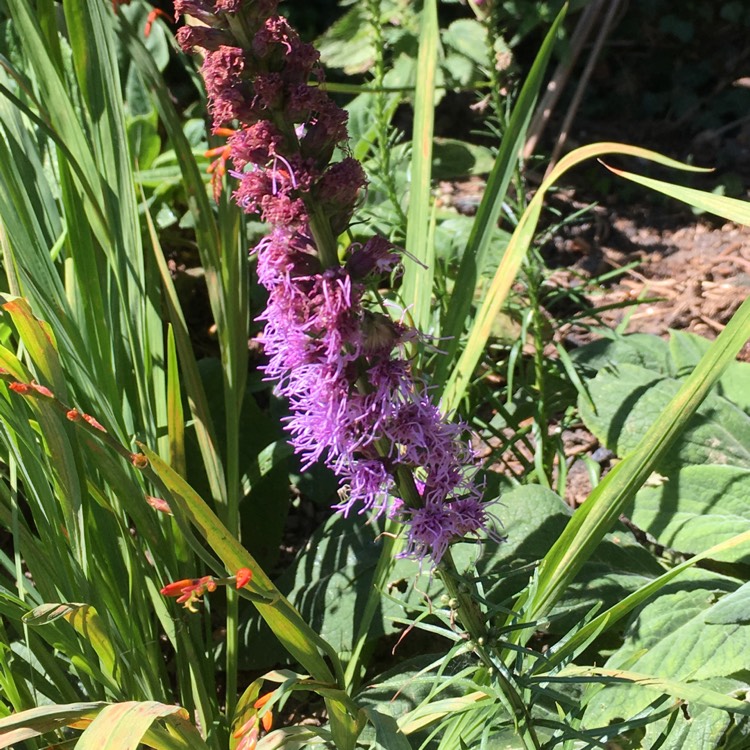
(218, 168)
(152, 16)
(243, 577)
(267, 718)
(190, 590)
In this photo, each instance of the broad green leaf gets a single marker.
(686, 350)
(144, 142)
(362, 130)
(706, 728)
(453, 159)
(695, 508)
(672, 640)
(347, 43)
(675, 358)
(388, 736)
(328, 583)
(641, 349)
(469, 37)
(731, 608)
(576, 643)
(406, 685)
(628, 400)
(533, 517)
(598, 514)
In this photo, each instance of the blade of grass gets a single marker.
(720, 205)
(175, 416)
(39, 343)
(35, 721)
(209, 244)
(134, 312)
(286, 623)
(205, 429)
(122, 726)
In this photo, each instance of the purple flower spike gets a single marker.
(353, 401)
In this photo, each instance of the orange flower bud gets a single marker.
(243, 577)
(159, 504)
(152, 16)
(96, 425)
(263, 700)
(42, 390)
(267, 720)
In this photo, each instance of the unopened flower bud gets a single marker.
(376, 256)
(189, 37)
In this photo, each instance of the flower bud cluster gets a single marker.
(353, 400)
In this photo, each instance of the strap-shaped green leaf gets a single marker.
(419, 263)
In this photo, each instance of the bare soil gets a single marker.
(693, 272)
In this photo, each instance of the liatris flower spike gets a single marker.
(353, 400)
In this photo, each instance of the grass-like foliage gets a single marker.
(144, 458)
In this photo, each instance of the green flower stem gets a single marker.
(322, 233)
(464, 597)
(320, 226)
